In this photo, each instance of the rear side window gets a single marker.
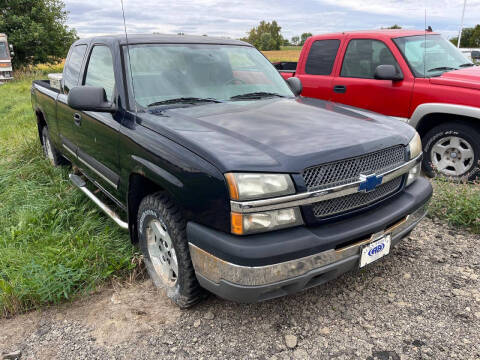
(100, 70)
(72, 67)
(363, 56)
(322, 57)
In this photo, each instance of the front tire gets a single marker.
(452, 150)
(163, 242)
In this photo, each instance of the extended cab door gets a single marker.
(316, 71)
(355, 83)
(66, 121)
(97, 132)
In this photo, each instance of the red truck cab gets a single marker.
(416, 76)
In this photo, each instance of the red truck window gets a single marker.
(322, 57)
(363, 56)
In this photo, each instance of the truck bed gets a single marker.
(45, 84)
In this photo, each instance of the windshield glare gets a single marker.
(431, 57)
(3, 50)
(163, 71)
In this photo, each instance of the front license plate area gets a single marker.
(375, 250)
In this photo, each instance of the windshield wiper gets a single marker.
(467, 65)
(184, 100)
(444, 68)
(255, 95)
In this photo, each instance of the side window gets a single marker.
(322, 57)
(72, 67)
(100, 70)
(363, 56)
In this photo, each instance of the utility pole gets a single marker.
(461, 26)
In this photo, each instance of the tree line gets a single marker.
(267, 36)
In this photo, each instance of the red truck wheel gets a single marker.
(452, 150)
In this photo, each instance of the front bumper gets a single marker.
(248, 271)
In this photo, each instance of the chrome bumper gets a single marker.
(216, 270)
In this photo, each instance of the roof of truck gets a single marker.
(388, 33)
(163, 39)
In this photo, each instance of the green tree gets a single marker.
(37, 30)
(266, 36)
(295, 40)
(396, 26)
(304, 38)
(470, 38)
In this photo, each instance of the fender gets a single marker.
(431, 108)
(156, 174)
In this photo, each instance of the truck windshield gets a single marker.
(3, 50)
(200, 73)
(430, 55)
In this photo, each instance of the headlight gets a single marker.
(249, 186)
(243, 224)
(415, 147)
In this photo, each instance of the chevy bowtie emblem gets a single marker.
(369, 182)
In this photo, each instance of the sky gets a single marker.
(233, 18)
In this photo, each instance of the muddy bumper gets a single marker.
(266, 266)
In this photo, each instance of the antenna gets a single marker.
(129, 60)
(425, 48)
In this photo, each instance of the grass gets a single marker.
(54, 243)
(291, 53)
(458, 204)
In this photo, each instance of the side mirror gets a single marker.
(295, 85)
(12, 54)
(89, 98)
(387, 72)
(10, 46)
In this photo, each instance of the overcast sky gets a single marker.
(233, 18)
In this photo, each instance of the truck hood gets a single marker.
(466, 78)
(277, 135)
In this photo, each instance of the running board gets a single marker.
(80, 183)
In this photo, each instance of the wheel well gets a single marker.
(429, 121)
(40, 124)
(138, 187)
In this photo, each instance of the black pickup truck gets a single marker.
(225, 178)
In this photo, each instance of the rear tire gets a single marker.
(452, 150)
(49, 150)
(163, 242)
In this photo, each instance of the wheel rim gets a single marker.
(452, 156)
(47, 146)
(162, 253)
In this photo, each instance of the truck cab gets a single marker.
(416, 76)
(6, 53)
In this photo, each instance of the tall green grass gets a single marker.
(54, 242)
(458, 204)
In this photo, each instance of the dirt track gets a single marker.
(421, 302)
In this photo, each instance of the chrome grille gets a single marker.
(357, 200)
(346, 171)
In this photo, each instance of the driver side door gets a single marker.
(355, 83)
(97, 132)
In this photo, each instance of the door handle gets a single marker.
(341, 89)
(77, 119)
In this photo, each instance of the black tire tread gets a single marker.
(461, 127)
(58, 159)
(190, 290)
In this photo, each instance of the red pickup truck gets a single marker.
(416, 76)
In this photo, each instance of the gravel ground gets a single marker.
(420, 302)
